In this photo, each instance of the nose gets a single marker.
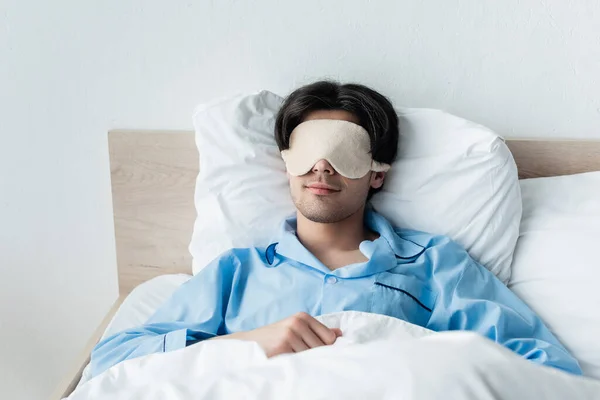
(323, 167)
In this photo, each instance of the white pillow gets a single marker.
(456, 178)
(555, 268)
(452, 177)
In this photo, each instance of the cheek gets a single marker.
(360, 185)
(295, 184)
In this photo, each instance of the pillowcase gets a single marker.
(452, 177)
(555, 268)
(455, 178)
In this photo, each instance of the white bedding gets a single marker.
(139, 305)
(378, 357)
(556, 269)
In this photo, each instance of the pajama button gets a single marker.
(331, 280)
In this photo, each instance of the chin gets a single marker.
(321, 219)
(323, 215)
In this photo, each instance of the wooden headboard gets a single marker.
(153, 176)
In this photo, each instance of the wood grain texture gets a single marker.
(69, 383)
(541, 158)
(153, 175)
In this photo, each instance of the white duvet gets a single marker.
(378, 357)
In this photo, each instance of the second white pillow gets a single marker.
(556, 269)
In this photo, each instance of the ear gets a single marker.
(377, 179)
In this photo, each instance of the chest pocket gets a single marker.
(404, 297)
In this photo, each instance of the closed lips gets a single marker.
(322, 186)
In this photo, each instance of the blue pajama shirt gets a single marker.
(420, 278)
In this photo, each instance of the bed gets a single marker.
(153, 175)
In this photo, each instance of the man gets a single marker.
(337, 254)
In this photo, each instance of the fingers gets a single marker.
(296, 342)
(308, 336)
(326, 336)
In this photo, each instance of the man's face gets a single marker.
(344, 197)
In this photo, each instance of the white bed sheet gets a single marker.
(410, 362)
(556, 269)
(139, 305)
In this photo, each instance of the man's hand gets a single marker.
(292, 335)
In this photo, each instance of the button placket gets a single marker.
(330, 294)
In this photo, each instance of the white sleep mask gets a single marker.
(345, 145)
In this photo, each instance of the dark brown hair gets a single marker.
(374, 111)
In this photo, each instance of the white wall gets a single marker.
(71, 70)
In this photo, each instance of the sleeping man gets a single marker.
(337, 254)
